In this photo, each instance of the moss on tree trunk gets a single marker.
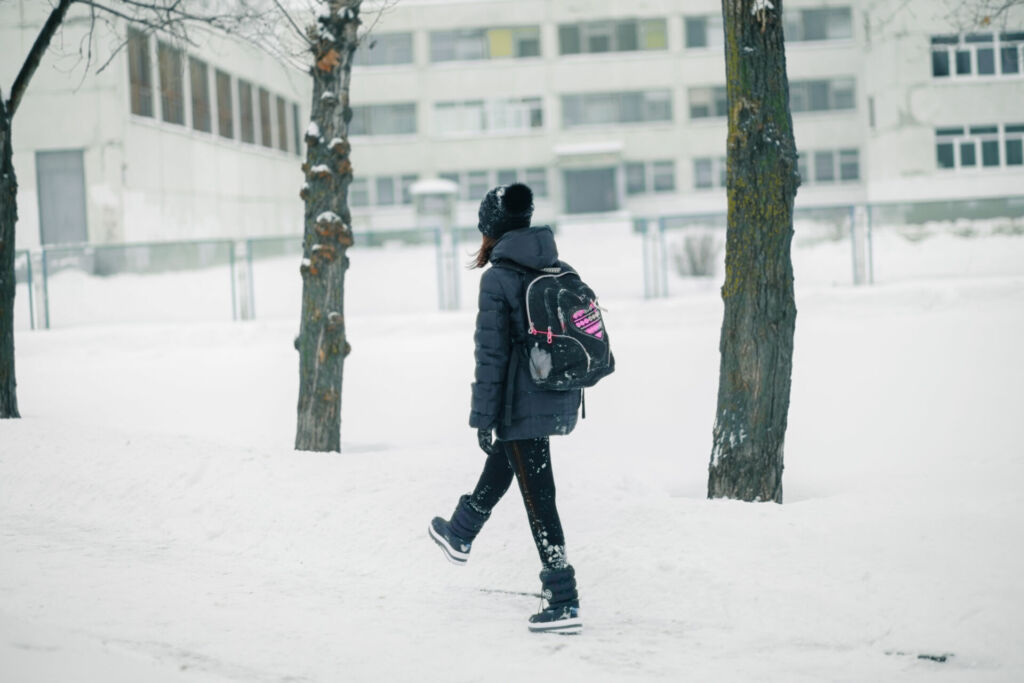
(322, 342)
(760, 312)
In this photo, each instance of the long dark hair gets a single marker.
(483, 257)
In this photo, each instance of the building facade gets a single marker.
(167, 142)
(615, 111)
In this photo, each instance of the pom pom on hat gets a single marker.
(505, 208)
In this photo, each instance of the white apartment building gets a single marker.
(168, 142)
(614, 110)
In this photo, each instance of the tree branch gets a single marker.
(35, 55)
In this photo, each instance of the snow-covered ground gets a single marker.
(156, 525)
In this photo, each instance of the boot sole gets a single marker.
(453, 555)
(562, 626)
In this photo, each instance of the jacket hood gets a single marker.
(531, 247)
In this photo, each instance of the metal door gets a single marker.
(60, 179)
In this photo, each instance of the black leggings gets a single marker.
(529, 461)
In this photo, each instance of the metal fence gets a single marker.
(661, 256)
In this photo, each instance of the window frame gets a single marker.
(394, 111)
(795, 26)
(383, 49)
(171, 67)
(711, 25)
(613, 30)
(713, 97)
(801, 94)
(951, 47)
(716, 172)
(621, 106)
(140, 73)
(225, 104)
(465, 42)
(842, 167)
(246, 111)
(200, 95)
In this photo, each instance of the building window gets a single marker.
(172, 83)
(829, 166)
(200, 82)
(835, 94)
(296, 136)
(708, 102)
(624, 35)
(663, 174)
(477, 116)
(266, 126)
(282, 124)
(405, 184)
(849, 165)
(482, 43)
(459, 117)
(979, 146)
(977, 54)
(473, 185)
(385, 191)
(359, 192)
(824, 166)
(384, 49)
(709, 172)
(703, 32)
(589, 109)
(1014, 144)
(225, 112)
(477, 184)
(140, 73)
(652, 176)
(636, 178)
(246, 114)
(383, 119)
(833, 23)
(537, 179)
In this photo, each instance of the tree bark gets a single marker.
(8, 219)
(760, 311)
(322, 341)
(9, 208)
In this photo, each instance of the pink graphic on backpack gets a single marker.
(588, 321)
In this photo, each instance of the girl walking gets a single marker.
(505, 401)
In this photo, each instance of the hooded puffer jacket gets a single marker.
(500, 327)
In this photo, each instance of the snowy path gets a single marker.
(156, 525)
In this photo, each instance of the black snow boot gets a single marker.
(562, 615)
(455, 536)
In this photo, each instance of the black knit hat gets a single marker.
(504, 208)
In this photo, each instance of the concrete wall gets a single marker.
(147, 179)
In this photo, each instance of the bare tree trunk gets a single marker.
(8, 219)
(9, 208)
(322, 343)
(760, 312)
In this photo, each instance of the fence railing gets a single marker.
(421, 270)
(193, 279)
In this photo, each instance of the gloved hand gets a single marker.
(483, 437)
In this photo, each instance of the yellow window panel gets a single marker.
(654, 35)
(499, 41)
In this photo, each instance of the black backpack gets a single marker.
(567, 343)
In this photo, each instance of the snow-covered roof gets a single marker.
(587, 148)
(434, 186)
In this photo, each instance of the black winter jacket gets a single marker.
(501, 330)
